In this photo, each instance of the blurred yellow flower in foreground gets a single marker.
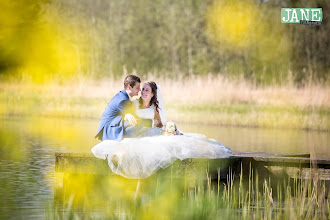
(35, 40)
(232, 22)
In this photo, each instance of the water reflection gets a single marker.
(24, 182)
(267, 140)
(78, 136)
(27, 148)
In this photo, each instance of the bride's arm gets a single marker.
(157, 119)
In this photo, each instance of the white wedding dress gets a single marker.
(143, 155)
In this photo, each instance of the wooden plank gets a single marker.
(70, 154)
(264, 154)
(235, 154)
(80, 163)
(294, 162)
(87, 163)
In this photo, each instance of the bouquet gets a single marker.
(170, 129)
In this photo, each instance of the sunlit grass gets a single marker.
(226, 102)
(248, 115)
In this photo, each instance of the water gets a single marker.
(27, 148)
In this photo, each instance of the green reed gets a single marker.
(169, 197)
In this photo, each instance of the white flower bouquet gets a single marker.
(170, 129)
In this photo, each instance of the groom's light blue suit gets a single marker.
(112, 125)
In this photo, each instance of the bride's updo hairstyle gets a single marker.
(153, 100)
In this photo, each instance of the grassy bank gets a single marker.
(208, 99)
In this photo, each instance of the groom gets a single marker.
(118, 119)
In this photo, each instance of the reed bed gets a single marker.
(249, 197)
(226, 102)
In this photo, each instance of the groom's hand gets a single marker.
(131, 119)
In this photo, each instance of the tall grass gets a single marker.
(225, 101)
(162, 197)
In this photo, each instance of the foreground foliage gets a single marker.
(161, 197)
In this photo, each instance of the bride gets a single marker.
(156, 147)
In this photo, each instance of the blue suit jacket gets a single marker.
(111, 125)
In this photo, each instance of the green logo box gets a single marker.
(295, 15)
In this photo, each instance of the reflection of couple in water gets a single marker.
(137, 140)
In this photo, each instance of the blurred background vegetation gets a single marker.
(232, 60)
(58, 39)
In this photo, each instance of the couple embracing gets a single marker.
(125, 117)
(137, 140)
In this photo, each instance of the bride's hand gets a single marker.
(131, 119)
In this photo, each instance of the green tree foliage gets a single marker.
(105, 38)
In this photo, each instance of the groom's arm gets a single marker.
(126, 109)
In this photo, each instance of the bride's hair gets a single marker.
(153, 100)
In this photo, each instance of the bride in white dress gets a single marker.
(155, 148)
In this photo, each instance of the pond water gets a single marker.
(27, 148)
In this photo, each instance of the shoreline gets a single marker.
(214, 101)
(176, 120)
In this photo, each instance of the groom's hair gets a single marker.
(131, 80)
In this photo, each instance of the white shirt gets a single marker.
(130, 98)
